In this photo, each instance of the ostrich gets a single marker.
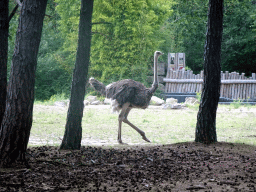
(127, 94)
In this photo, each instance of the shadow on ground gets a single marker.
(177, 167)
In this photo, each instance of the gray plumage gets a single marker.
(127, 94)
(124, 91)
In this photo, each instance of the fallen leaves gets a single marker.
(178, 167)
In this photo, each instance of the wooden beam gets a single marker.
(183, 80)
(230, 81)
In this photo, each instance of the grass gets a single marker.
(234, 124)
(53, 99)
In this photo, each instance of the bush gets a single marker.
(51, 79)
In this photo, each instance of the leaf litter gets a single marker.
(177, 167)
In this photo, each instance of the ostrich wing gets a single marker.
(131, 91)
(121, 94)
(124, 94)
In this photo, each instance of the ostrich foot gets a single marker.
(145, 138)
(121, 142)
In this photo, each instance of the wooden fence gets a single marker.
(233, 85)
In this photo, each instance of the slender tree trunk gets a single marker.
(4, 28)
(17, 121)
(73, 130)
(206, 117)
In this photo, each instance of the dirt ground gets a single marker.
(178, 167)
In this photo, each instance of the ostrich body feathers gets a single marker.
(124, 91)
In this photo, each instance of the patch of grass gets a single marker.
(161, 126)
(48, 125)
(198, 96)
(248, 105)
(193, 107)
(239, 105)
(101, 98)
(236, 103)
(53, 99)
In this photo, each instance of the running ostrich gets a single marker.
(127, 94)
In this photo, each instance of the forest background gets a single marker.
(125, 35)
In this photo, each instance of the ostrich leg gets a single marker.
(120, 120)
(133, 126)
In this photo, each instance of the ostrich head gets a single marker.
(158, 53)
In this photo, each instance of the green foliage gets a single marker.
(13, 25)
(198, 96)
(124, 48)
(188, 27)
(101, 98)
(52, 77)
(125, 36)
(69, 12)
(57, 97)
(239, 51)
(236, 104)
(159, 94)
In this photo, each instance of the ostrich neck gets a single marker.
(155, 83)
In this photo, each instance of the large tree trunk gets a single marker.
(17, 121)
(73, 130)
(4, 28)
(206, 117)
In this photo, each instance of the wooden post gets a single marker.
(253, 87)
(174, 77)
(234, 87)
(249, 90)
(168, 62)
(182, 77)
(176, 62)
(185, 85)
(239, 89)
(170, 85)
(244, 87)
(226, 86)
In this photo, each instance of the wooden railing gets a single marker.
(233, 85)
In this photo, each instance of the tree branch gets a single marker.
(15, 9)
(48, 16)
(18, 2)
(96, 32)
(13, 13)
(101, 23)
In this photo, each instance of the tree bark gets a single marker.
(206, 117)
(73, 130)
(17, 120)
(4, 29)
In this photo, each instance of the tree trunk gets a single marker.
(206, 117)
(17, 121)
(73, 130)
(4, 28)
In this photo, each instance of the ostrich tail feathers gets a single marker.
(98, 86)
